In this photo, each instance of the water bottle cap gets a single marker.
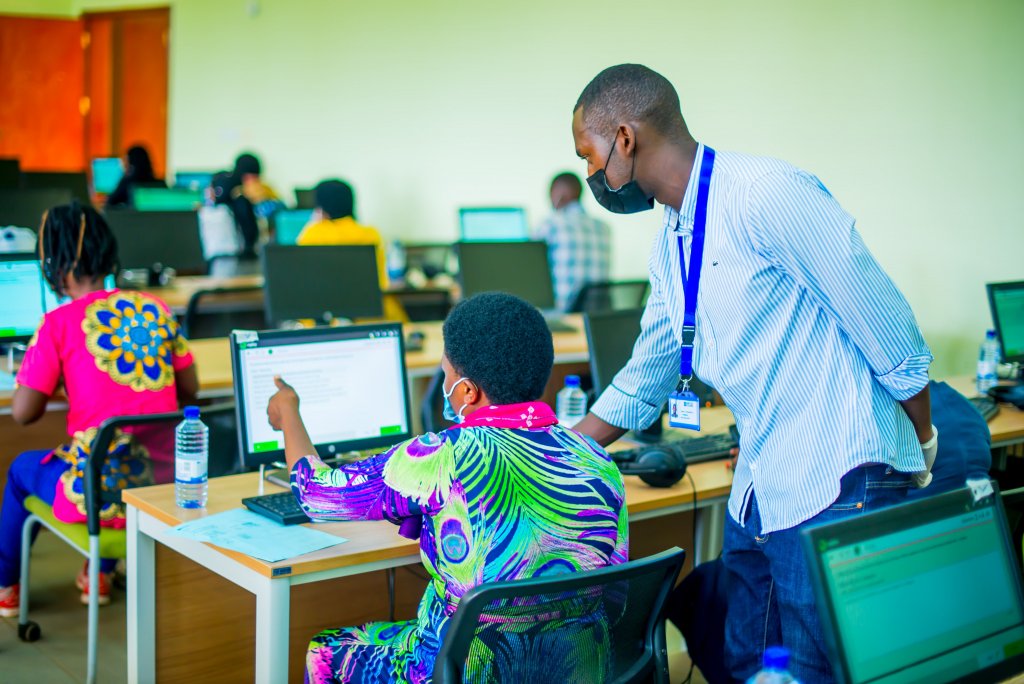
(776, 658)
(191, 412)
(990, 334)
(572, 381)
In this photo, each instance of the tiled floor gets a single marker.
(59, 656)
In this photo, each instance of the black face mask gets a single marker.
(629, 199)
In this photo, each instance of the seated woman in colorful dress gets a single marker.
(504, 494)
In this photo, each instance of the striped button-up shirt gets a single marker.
(579, 250)
(800, 330)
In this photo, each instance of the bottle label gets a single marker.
(189, 472)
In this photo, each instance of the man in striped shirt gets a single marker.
(812, 346)
(579, 245)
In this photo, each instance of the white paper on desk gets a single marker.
(256, 536)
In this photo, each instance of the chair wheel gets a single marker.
(29, 631)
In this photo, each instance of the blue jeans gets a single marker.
(27, 476)
(771, 602)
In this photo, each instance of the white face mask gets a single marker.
(449, 412)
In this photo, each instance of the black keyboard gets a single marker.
(987, 406)
(695, 449)
(281, 507)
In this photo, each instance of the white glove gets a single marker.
(924, 478)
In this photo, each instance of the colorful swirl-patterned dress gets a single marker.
(508, 494)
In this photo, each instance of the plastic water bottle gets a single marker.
(191, 456)
(395, 260)
(571, 402)
(775, 668)
(988, 361)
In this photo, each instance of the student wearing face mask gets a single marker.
(564, 513)
(761, 286)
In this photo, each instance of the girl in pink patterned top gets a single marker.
(113, 353)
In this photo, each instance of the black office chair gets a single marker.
(611, 296)
(432, 405)
(609, 622)
(218, 311)
(155, 432)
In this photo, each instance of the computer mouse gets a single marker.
(414, 341)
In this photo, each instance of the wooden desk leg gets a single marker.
(141, 602)
(272, 615)
(710, 532)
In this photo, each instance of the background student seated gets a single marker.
(138, 173)
(565, 512)
(114, 353)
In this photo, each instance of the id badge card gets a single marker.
(684, 410)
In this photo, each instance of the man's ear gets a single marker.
(626, 139)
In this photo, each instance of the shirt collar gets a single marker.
(527, 415)
(572, 208)
(681, 220)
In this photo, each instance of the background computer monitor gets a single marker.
(167, 238)
(305, 198)
(10, 173)
(289, 223)
(106, 174)
(1007, 303)
(166, 199)
(321, 282)
(610, 339)
(351, 381)
(24, 297)
(519, 268)
(74, 182)
(25, 208)
(928, 591)
(492, 224)
(193, 180)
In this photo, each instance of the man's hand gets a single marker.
(283, 405)
(929, 449)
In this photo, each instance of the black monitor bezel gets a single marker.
(601, 383)
(519, 210)
(124, 223)
(894, 519)
(319, 334)
(991, 289)
(28, 257)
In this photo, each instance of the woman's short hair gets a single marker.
(502, 344)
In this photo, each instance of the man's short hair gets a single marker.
(630, 92)
(335, 198)
(569, 180)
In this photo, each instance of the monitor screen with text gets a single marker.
(351, 383)
(24, 297)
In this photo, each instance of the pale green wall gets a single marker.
(911, 112)
(42, 8)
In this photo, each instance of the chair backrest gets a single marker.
(611, 296)
(155, 432)
(216, 312)
(600, 626)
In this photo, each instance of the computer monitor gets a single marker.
(24, 296)
(321, 283)
(1007, 303)
(492, 224)
(288, 223)
(106, 174)
(610, 339)
(928, 591)
(147, 239)
(25, 208)
(193, 180)
(166, 199)
(10, 173)
(519, 268)
(305, 198)
(351, 382)
(74, 182)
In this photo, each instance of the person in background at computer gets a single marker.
(114, 353)
(229, 227)
(138, 172)
(807, 339)
(565, 512)
(334, 223)
(579, 245)
(247, 178)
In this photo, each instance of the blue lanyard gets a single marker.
(691, 280)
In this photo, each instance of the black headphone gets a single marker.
(1009, 394)
(661, 465)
